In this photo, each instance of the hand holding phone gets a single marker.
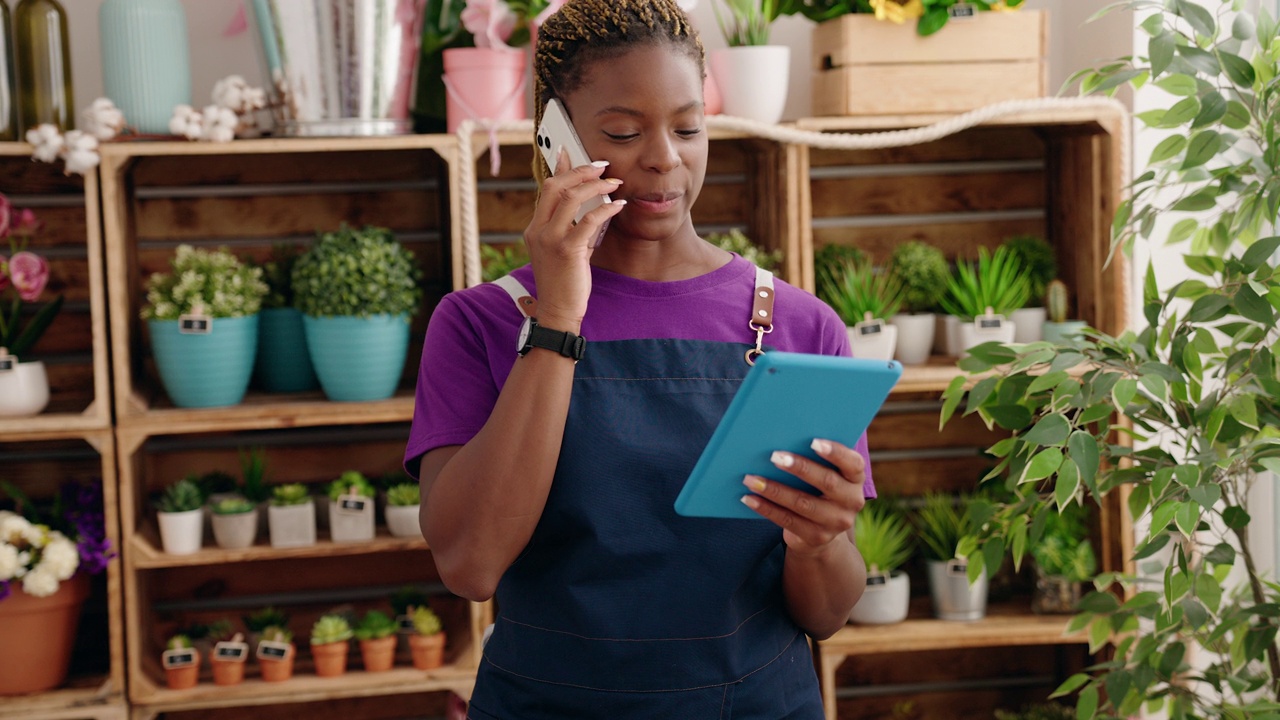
(556, 132)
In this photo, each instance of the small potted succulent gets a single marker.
(357, 290)
(202, 317)
(228, 659)
(428, 639)
(1041, 261)
(330, 641)
(941, 522)
(923, 270)
(283, 364)
(291, 516)
(181, 662)
(180, 514)
(1064, 559)
(884, 539)
(275, 653)
(235, 523)
(376, 632)
(1058, 329)
(256, 623)
(215, 486)
(864, 297)
(403, 504)
(351, 508)
(736, 241)
(982, 295)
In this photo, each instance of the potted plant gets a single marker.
(884, 538)
(923, 271)
(751, 74)
(291, 517)
(930, 15)
(202, 317)
(215, 486)
(180, 513)
(736, 241)
(957, 594)
(402, 602)
(1041, 261)
(282, 364)
(1064, 559)
(181, 662)
(24, 384)
(275, 653)
(253, 482)
(257, 622)
(351, 508)
(981, 296)
(228, 659)
(863, 296)
(428, 639)
(235, 523)
(1058, 329)
(330, 641)
(403, 506)
(376, 632)
(357, 290)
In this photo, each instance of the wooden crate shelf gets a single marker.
(89, 702)
(74, 348)
(147, 555)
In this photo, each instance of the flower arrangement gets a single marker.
(23, 276)
(42, 548)
(930, 15)
(214, 283)
(506, 23)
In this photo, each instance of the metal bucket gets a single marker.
(953, 597)
(340, 67)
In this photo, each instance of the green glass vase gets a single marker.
(44, 65)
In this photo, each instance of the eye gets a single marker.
(621, 137)
(689, 133)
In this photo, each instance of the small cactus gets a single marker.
(1056, 299)
(330, 629)
(182, 496)
(425, 621)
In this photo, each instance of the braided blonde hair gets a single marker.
(583, 31)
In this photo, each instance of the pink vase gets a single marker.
(483, 84)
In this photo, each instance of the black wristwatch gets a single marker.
(533, 335)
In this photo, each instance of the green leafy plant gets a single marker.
(290, 494)
(930, 15)
(941, 522)
(924, 273)
(221, 630)
(407, 598)
(1041, 261)
(1064, 549)
(425, 621)
(277, 273)
(182, 496)
(996, 281)
(404, 495)
(265, 618)
(748, 22)
(375, 624)
(357, 273)
(855, 289)
(329, 629)
(737, 241)
(835, 255)
(232, 506)
(884, 538)
(351, 482)
(277, 633)
(253, 475)
(495, 263)
(178, 642)
(213, 282)
(216, 482)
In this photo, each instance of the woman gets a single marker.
(550, 481)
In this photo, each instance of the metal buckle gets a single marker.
(758, 350)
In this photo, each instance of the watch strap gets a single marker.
(561, 341)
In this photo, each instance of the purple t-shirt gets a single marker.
(471, 340)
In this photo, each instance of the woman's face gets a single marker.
(642, 112)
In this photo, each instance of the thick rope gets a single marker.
(785, 134)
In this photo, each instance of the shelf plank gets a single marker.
(52, 426)
(1054, 116)
(145, 552)
(270, 146)
(89, 697)
(266, 411)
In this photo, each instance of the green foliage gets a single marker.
(253, 474)
(1063, 548)
(213, 282)
(924, 273)
(221, 630)
(278, 274)
(265, 618)
(216, 482)
(941, 521)
(277, 633)
(178, 642)
(375, 624)
(833, 255)
(855, 289)
(357, 273)
(748, 21)
(232, 506)
(351, 482)
(1057, 301)
(182, 496)
(1041, 261)
(884, 538)
(290, 494)
(404, 495)
(934, 14)
(425, 622)
(737, 241)
(407, 597)
(996, 281)
(1039, 711)
(330, 629)
(497, 263)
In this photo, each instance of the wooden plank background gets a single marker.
(386, 707)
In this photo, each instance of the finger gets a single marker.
(808, 531)
(571, 199)
(593, 222)
(563, 164)
(830, 482)
(832, 514)
(552, 197)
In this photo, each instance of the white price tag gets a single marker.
(877, 581)
(989, 324)
(270, 650)
(353, 504)
(962, 11)
(234, 651)
(8, 362)
(194, 324)
(182, 657)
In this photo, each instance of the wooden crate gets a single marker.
(38, 462)
(74, 349)
(369, 707)
(248, 196)
(864, 66)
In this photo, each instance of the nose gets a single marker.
(660, 153)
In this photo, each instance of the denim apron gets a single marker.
(620, 608)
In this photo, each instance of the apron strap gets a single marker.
(525, 303)
(761, 321)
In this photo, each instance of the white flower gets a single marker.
(47, 141)
(8, 562)
(81, 152)
(35, 535)
(233, 93)
(60, 556)
(102, 119)
(40, 582)
(12, 525)
(220, 124)
(24, 563)
(187, 122)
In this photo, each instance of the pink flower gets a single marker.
(29, 273)
(490, 21)
(5, 210)
(24, 223)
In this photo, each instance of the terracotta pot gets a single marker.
(228, 672)
(183, 678)
(378, 654)
(331, 658)
(428, 650)
(45, 629)
(278, 670)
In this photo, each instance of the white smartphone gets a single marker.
(557, 132)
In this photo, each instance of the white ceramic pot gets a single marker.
(885, 602)
(292, 525)
(878, 345)
(1028, 324)
(237, 531)
(971, 336)
(181, 533)
(915, 337)
(953, 597)
(753, 80)
(24, 390)
(351, 525)
(402, 520)
(946, 335)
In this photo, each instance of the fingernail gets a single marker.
(751, 502)
(619, 202)
(781, 459)
(614, 181)
(754, 483)
(600, 164)
(822, 447)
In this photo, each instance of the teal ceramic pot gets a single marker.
(358, 359)
(283, 364)
(201, 371)
(146, 64)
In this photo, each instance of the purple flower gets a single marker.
(4, 589)
(82, 509)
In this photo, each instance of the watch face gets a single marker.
(523, 339)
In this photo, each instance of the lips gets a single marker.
(656, 201)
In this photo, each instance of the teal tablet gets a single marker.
(785, 401)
